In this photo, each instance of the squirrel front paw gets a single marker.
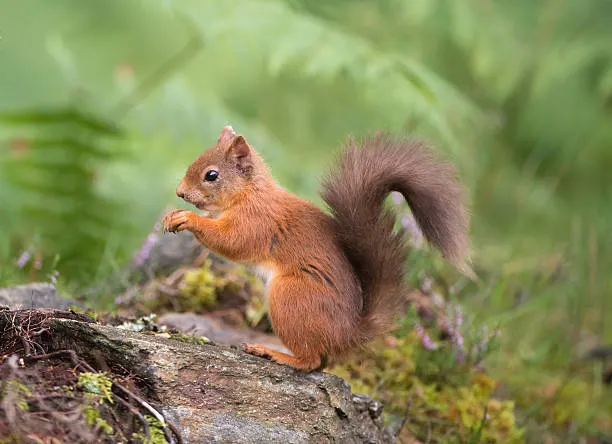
(178, 220)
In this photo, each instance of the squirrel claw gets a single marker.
(177, 220)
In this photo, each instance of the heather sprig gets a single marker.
(428, 344)
(407, 221)
(450, 359)
(53, 277)
(23, 259)
(143, 254)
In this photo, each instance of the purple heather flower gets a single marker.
(24, 259)
(425, 339)
(458, 317)
(459, 339)
(53, 277)
(427, 343)
(410, 225)
(143, 254)
(487, 416)
(397, 198)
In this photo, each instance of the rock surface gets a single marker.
(162, 253)
(214, 393)
(218, 331)
(37, 295)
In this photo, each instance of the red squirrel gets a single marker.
(336, 279)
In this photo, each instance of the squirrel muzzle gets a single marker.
(181, 190)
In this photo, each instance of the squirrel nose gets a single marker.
(180, 190)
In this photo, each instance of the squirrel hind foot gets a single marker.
(308, 364)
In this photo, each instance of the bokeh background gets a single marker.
(103, 104)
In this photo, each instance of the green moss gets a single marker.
(98, 391)
(189, 339)
(92, 314)
(439, 404)
(97, 384)
(156, 432)
(564, 403)
(20, 391)
(256, 309)
(216, 282)
(199, 287)
(93, 419)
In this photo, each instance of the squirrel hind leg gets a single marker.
(308, 364)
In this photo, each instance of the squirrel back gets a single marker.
(355, 191)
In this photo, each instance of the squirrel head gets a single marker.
(222, 174)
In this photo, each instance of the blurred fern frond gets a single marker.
(287, 38)
(51, 168)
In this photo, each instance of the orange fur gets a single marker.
(321, 302)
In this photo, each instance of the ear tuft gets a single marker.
(226, 136)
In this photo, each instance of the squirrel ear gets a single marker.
(226, 136)
(239, 147)
(240, 151)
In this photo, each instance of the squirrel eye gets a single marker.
(211, 176)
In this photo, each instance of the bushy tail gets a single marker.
(355, 192)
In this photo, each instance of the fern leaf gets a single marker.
(55, 185)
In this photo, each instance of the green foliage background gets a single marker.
(104, 103)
